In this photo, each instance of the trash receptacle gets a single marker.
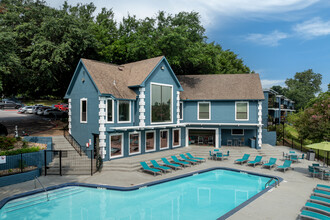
(311, 155)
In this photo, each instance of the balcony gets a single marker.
(273, 104)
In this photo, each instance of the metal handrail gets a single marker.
(73, 142)
(35, 186)
(277, 182)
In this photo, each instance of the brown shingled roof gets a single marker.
(115, 79)
(221, 87)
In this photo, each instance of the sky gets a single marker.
(275, 38)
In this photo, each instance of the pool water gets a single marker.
(207, 195)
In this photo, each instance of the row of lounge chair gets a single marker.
(258, 161)
(167, 166)
(318, 206)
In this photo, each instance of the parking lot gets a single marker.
(29, 123)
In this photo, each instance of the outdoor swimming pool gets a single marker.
(207, 195)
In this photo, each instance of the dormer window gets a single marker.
(161, 103)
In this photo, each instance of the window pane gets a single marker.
(116, 143)
(241, 115)
(241, 109)
(238, 131)
(83, 110)
(181, 110)
(176, 138)
(134, 143)
(204, 111)
(161, 103)
(109, 108)
(163, 139)
(124, 111)
(150, 141)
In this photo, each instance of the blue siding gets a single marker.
(269, 137)
(265, 109)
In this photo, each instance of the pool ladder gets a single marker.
(35, 186)
(277, 182)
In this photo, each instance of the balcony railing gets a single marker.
(273, 104)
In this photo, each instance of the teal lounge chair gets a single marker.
(317, 208)
(322, 193)
(313, 215)
(323, 187)
(286, 165)
(146, 168)
(271, 163)
(320, 200)
(256, 161)
(183, 163)
(163, 168)
(169, 164)
(195, 158)
(192, 161)
(244, 159)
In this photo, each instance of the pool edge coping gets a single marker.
(148, 184)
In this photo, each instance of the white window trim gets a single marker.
(145, 146)
(122, 145)
(181, 111)
(237, 134)
(129, 142)
(198, 111)
(106, 111)
(130, 105)
(150, 107)
(160, 139)
(177, 129)
(248, 107)
(81, 100)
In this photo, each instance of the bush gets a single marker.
(7, 143)
(19, 151)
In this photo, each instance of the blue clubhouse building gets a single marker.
(143, 107)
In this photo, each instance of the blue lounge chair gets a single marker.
(317, 208)
(313, 215)
(256, 161)
(163, 168)
(323, 187)
(219, 156)
(271, 163)
(146, 168)
(195, 158)
(286, 165)
(169, 164)
(183, 163)
(320, 200)
(313, 171)
(244, 159)
(322, 193)
(192, 161)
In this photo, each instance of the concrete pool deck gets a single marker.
(283, 202)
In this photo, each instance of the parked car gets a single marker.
(21, 110)
(54, 113)
(28, 109)
(62, 106)
(35, 108)
(42, 109)
(9, 104)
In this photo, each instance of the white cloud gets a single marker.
(313, 28)
(271, 39)
(267, 84)
(209, 10)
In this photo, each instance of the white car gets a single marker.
(28, 109)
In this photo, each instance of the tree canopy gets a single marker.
(40, 46)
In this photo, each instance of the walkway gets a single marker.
(280, 203)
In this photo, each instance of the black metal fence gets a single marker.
(20, 163)
(73, 142)
(69, 162)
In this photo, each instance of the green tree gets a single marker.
(280, 90)
(303, 87)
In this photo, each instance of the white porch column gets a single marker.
(178, 107)
(259, 124)
(69, 114)
(142, 109)
(102, 137)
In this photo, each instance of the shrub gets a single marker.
(7, 143)
(19, 151)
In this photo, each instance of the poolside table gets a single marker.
(322, 170)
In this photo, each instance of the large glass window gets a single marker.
(116, 145)
(109, 110)
(176, 137)
(124, 111)
(163, 139)
(150, 141)
(134, 143)
(161, 103)
(242, 111)
(83, 110)
(203, 111)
